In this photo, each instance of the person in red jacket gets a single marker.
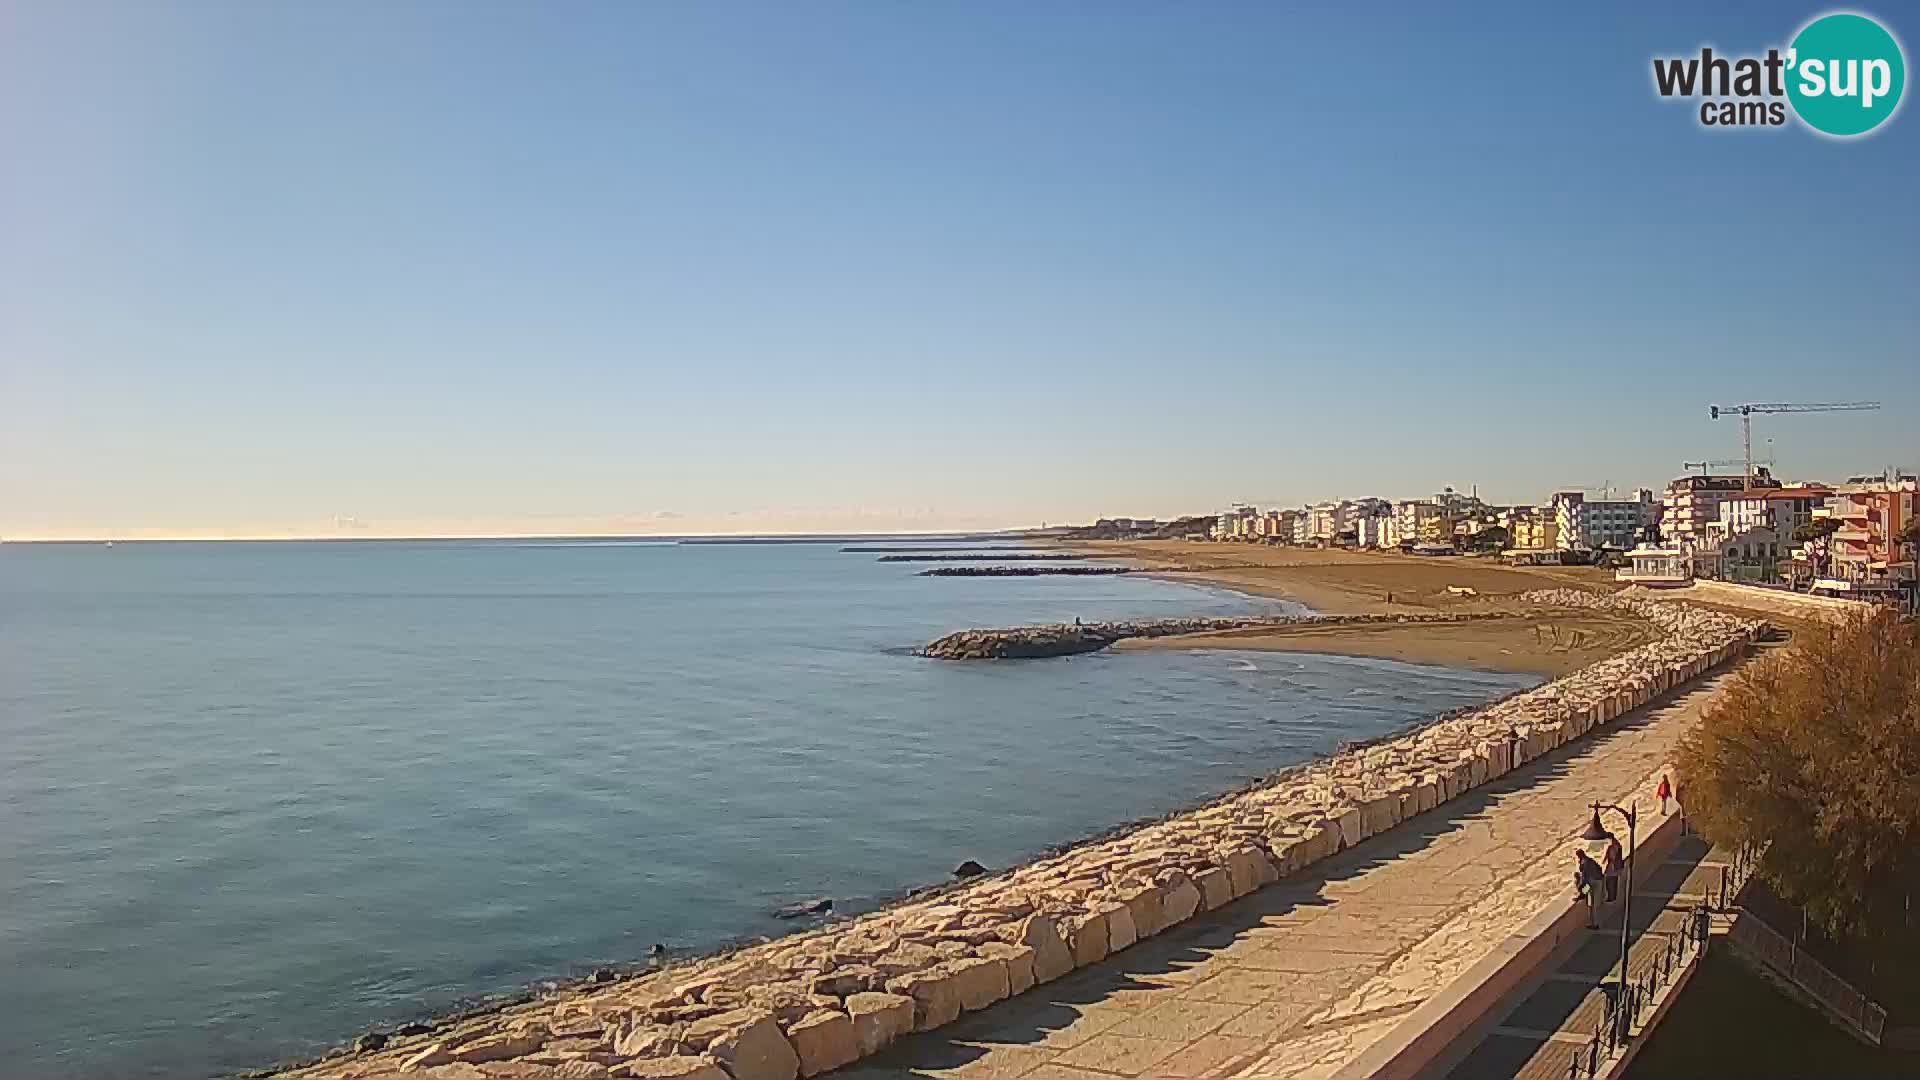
(1665, 791)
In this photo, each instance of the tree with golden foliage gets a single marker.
(1816, 751)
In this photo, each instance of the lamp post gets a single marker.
(1596, 831)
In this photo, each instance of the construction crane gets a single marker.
(1746, 419)
(1722, 463)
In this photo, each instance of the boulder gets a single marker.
(979, 981)
(851, 979)
(1179, 900)
(878, 1019)
(936, 1000)
(1019, 961)
(1051, 956)
(1143, 904)
(700, 1067)
(1087, 936)
(823, 1041)
(748, 1044)
(818, 906)
(1120, 929)
(1216, 887)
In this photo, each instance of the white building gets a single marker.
(1417, 519)
(1693, 501)
(1589, 524)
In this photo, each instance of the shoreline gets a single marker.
(822, 998)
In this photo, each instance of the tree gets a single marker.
(1816, 751)
(1817, 529)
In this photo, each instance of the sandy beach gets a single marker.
(1549, 642)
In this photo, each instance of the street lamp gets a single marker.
(1596, 831)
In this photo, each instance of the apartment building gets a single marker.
(1418, 520)
(1692, 501)
(1590, 524)
(1867, 548)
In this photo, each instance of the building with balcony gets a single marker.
(1590, 524)
(1692, 501)
(1417, 520)
(1533, 529)
(1868, 548)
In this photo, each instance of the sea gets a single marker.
(256, 798)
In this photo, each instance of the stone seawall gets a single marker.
(802, 1005)
(1062, 639)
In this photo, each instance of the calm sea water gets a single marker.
(257, 797)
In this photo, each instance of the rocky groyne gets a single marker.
(1028, 571)
(1050, 557)
(1064, 639)
(802, 1005)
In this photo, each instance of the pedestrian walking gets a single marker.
(1665, 791)
(1586, 884)
(1611, 864)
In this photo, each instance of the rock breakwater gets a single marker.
(802, 1005)
(1028, 571)
(1050, 557)
(1068, 639)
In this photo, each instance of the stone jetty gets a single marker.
(1048, 557)
(805, 1004)
(1028, 571)
(1068, 639)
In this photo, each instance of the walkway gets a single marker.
(1297, 979)
(1559, 1014)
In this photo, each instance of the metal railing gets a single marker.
(1735, 875)
(1636, 995)
(1781, 953)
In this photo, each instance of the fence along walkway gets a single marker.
(1752, 936)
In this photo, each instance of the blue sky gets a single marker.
(585, 267)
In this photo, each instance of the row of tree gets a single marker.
(1815, 750)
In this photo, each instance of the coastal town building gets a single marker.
(1591, 524)
(1781, 509)
(1367, 529)
(1532, 529)
(1868, 549)
(1417, 520)
(1655, 566)
(1692, 501)
(1327, 520)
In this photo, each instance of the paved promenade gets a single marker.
(1298, 979)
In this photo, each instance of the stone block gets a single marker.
(1120, 929)
(1052, 957)
(1349, 825)
(1216, 887)
(1087, 935)
(1019, 961)
(878, 1019)
(677, 1067)
(979, 981)
(748, 1044)
(1376, 815)
(823, 1041)
(936, 1000)
(496, 1047)
(1143, 904)
(1179, 900)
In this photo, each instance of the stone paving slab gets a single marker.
(1296, 980)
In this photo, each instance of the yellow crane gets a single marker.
(1746, 418)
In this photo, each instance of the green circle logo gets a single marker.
(1845, 74)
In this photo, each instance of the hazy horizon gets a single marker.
(480, 269)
